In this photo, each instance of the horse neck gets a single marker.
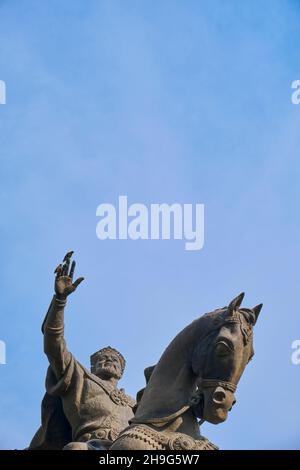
(173, 381)
(174, 365)
(186, 423)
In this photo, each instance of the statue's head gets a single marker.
(107, 363)
(222, 358)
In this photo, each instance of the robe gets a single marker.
(78, 405)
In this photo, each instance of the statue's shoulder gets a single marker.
(131, 402)
(119, 397)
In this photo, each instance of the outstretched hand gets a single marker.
(64, 284)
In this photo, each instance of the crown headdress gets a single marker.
(109, 350)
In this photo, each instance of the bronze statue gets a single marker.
(195, 379)
(79, 405)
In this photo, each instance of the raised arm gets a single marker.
(53, 327)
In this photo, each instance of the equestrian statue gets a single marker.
(194, 381)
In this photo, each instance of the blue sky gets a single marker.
(171, 101)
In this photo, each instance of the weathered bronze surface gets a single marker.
(194, 381)
(79, 405)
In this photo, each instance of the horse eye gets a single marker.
(223, 349)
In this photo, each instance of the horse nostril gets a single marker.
(219, 396)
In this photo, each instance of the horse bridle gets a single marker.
(204, 383)
(208, 383)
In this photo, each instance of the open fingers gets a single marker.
(77, 282)
(68, 255)
(58, 270)
(66, 267)
(72, 269)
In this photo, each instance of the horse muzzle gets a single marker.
(218, 400)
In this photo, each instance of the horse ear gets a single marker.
(148, 372)
(256, 310)
(235, 303)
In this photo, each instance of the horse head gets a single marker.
(220, 357)
(200, 369)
